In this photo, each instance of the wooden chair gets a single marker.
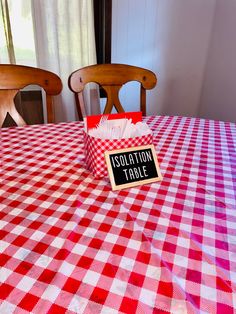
(15, 77)
(111, 77)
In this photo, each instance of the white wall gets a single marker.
(219, 89)
(171, 38)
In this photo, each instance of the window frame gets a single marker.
(102, 25)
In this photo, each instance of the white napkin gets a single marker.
(119, 128)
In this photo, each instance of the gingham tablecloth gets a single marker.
(68, 244)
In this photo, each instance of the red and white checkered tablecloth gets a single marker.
(68, 244)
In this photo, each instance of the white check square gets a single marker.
(18, 230)
(118, 223)
(148, 297)
(7, 308)
(66, 268)
(51, 221)
(99, 217)
(153, 272)
(62, 208)
(44, 204)
(209, 269)
(79, 249)
(118, 287)
(70, 225)
(3, 246)
(133, 244)
(91, 278)
(179, 307)
(147, 204)
(163, 221)
(181, 260)
(26, 283)
(183, 242)
(102, 256)
(51, 293)
(4, 274)
(90, 232)
(21, 254)
(111, 238)
(16, 211)
(88, 201)
(37, 235)
(30, 200)
(209, 293)
(80, 212)
(43, 261)
(58, 242)
(185, 227)
(33, 216)
(142, 216)
(127, 263)
(78, 304)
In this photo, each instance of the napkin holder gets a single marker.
(95, 150)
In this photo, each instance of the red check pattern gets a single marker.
(95, 149)
(68, 244)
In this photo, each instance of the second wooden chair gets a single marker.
(111, 77)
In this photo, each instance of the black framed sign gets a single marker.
(132, 166)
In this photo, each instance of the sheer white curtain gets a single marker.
(65, 42)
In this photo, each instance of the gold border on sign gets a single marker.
(135, 183)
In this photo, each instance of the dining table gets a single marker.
(70, 244)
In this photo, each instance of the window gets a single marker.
(22, 36)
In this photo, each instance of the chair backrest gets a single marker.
(111, 77)
(15, 77)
